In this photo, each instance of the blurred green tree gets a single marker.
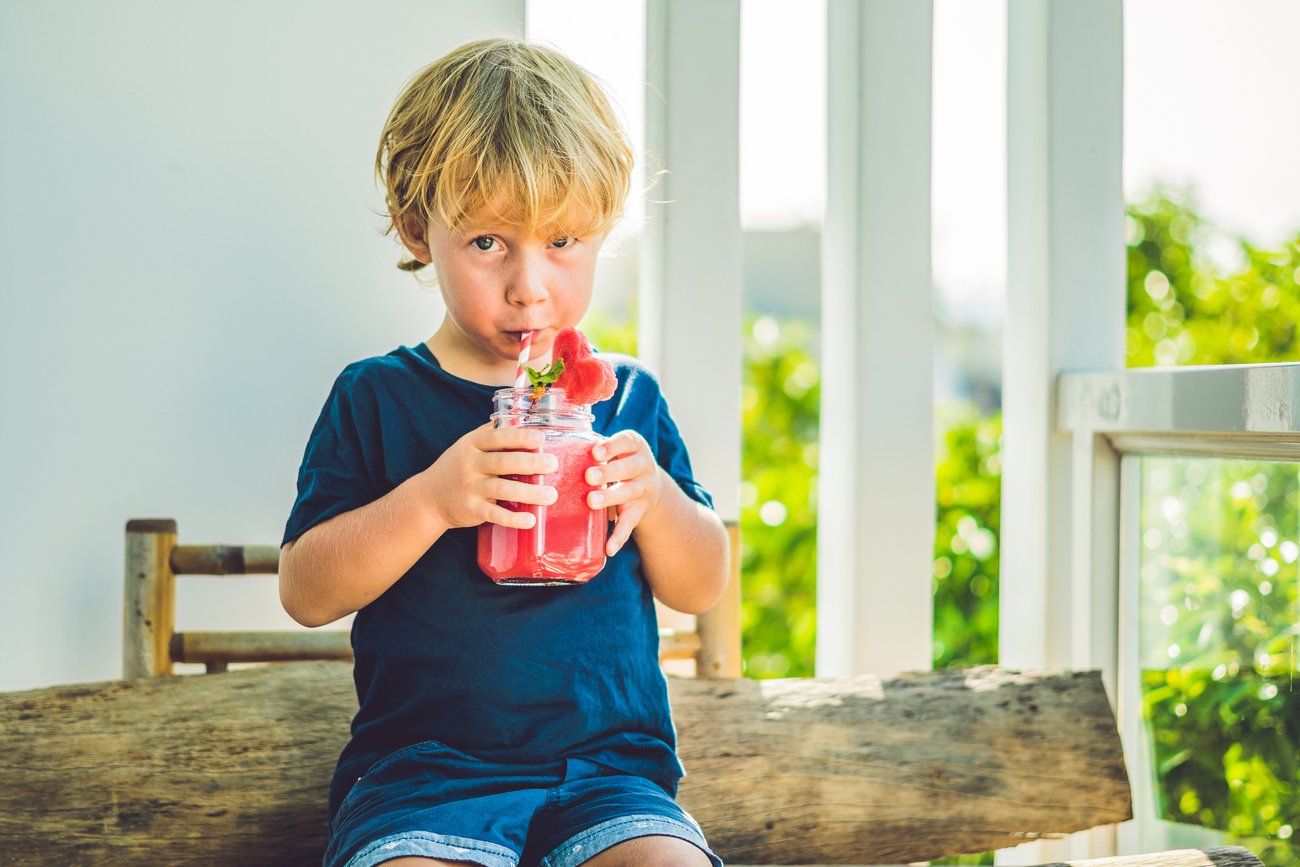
(1187, 307)
(778, 516)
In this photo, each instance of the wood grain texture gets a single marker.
(233, 768)
(149, 594)
(227, 647)
(225, 560)
(719, 627)
(866, 770)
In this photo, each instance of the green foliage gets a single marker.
(968, 497)
(608, 335)
(1183, 308)
(547, 375)
(778, 516)
(1218, 635)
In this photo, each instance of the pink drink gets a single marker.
(566, 545)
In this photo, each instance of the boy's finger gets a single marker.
(507, 518)
(518, 463)
(616, 495)
(627, 521)
(618, 471)
(512, 491)
(622, 443)
(491, 439)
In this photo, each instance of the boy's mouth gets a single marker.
(518, 336)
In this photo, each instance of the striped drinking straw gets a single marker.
(521, 378)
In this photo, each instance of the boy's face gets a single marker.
(499, 282)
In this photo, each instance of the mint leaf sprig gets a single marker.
(544, 378)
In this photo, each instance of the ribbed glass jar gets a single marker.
(566, 545)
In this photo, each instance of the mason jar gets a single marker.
(566, 544)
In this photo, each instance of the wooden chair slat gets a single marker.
(227, 647)
(678, 644)
(225, 560)
(719, 628)
(151, 645)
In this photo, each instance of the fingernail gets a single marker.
(593, 476)
(551, 494)
(598, 453)
(596, 500)
(611, 550)
(552, 463)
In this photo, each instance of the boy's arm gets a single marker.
(683, 545)
(684, 550)
(345, 563)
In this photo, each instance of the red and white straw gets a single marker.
(521, 378)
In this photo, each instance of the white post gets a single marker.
(1065, 311)
(875, 542)
(690, 319)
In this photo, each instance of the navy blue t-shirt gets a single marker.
(515, 674)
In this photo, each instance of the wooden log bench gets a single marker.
(233, 767)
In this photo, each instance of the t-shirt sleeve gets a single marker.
(673, 457)
(334, 476)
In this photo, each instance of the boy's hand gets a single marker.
(466, 481)
(634, 482)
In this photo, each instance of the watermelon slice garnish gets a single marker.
(585, 379)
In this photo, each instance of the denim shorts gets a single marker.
(433, 801)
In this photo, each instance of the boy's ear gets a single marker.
(415, 236)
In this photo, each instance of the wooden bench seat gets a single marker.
(233, 767)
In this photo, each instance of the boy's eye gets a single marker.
(564, 242)
(484, 242)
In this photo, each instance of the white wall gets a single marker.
(189, 253)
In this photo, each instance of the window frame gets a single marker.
(1248, 412)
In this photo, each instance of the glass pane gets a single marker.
(1220, 541)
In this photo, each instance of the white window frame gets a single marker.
(1228, 412)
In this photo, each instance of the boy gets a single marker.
(499, 726)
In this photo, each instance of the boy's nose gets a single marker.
(527, 281)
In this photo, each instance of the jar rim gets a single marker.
(552, 403)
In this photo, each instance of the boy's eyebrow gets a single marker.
(505, 230)
(480, 227)
(477, 231)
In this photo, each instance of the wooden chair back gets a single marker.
(151, 645)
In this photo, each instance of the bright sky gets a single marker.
(1210, 100)
(1212, 97)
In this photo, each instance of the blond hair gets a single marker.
(500, 128)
